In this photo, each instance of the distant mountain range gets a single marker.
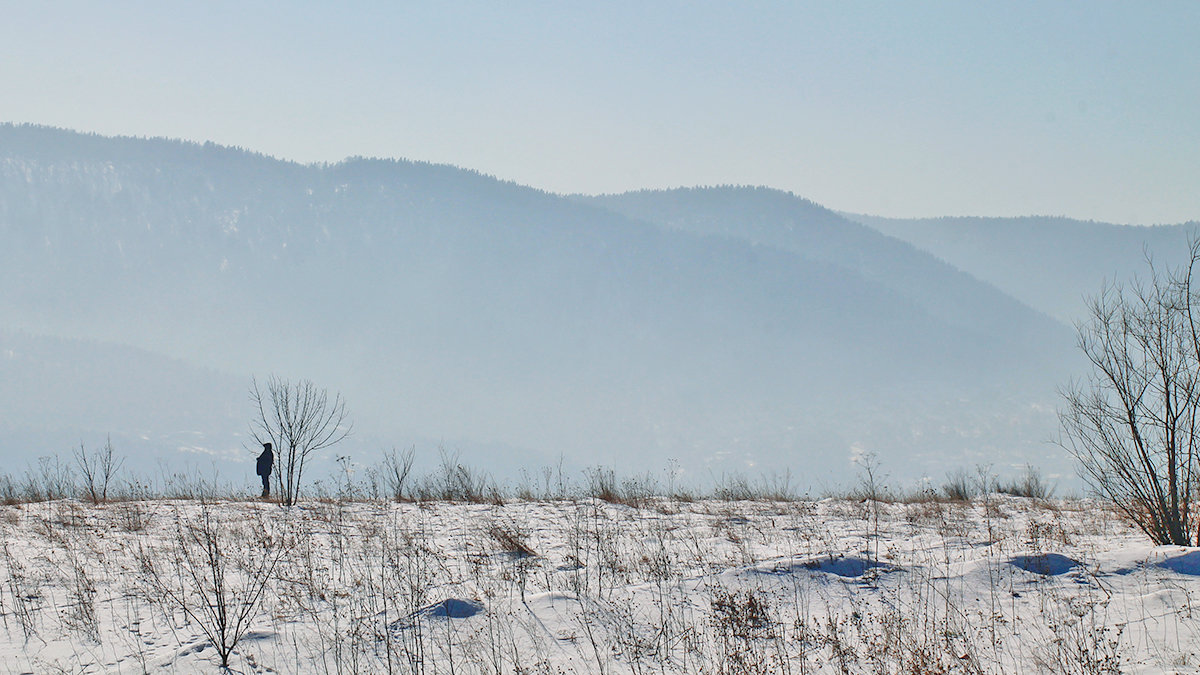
(729, 329)
(1050, 264)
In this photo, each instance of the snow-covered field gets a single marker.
(1001, 584)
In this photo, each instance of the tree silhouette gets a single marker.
(298, 418)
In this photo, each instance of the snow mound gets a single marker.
(1045, 564)
(452, 608)
(449, 608)
(1188, 563)
(847, 567)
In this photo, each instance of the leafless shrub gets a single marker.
(10, 492)
(132, 516)
(52, 480)
(547, 484)
(23, 590)
(191, 483)
(511, 538)
(602, 484)
(397, 468)
(958, 486)
(872, 481)
(872, 491)
(457, 482)
(80, 614)
(733, 488)
(744, 627)
(1029, 484)
(347, 489)
(98, 470)
(1040, 533)
(214, 574)
(131, 512)
(635, 491)
(922, 494)
(888, 640)
(1079, 644)
(737, 487)
(411, 563)
(525, 489)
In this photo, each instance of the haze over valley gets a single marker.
(725, 329)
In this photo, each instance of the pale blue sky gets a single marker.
(1085, 109)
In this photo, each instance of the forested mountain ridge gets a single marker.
(450, 305)
(1051, 263)
(779, 219)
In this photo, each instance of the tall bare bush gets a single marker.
(1131, 423)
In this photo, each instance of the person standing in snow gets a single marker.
(266, 461)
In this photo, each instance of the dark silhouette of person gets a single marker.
(266, 461)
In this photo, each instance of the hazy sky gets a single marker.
(1086, 109)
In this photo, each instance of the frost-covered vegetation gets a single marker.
(601, 575)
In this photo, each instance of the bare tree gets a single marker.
(1131, 423)
(298, 418)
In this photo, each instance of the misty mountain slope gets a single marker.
(779, 219)
(1049, 263)
(59, 393)
(125, 241)
(447, 304)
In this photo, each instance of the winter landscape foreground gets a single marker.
(584, 584)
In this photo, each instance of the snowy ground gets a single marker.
(1001, 585)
